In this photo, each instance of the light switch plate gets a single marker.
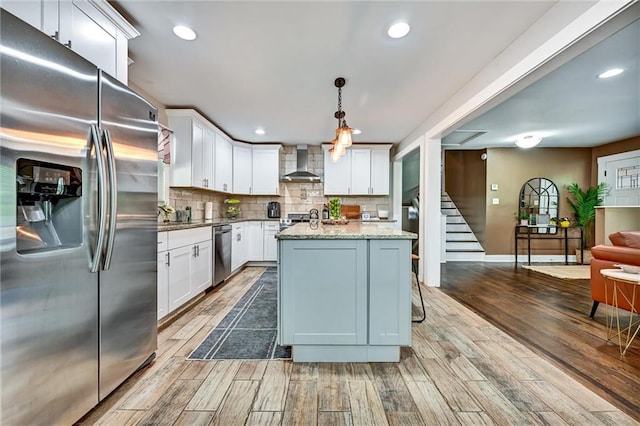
(496, 201)
(494, 186)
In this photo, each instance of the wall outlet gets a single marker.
(363, 208)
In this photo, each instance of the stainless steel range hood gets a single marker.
(301, 174)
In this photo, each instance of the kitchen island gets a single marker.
(344, 292)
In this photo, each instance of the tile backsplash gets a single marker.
(293, 198)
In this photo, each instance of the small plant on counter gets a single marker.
(232, 210)
(334, 208)
(166, 210)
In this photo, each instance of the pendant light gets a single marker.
(343, 132)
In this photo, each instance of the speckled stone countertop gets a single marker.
(175, 226)
(350, 231)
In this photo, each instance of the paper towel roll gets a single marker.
(208, 210)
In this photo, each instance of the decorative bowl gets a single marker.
(629, 269)
(383, 214)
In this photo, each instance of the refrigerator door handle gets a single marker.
(96, 141)
(113, 200)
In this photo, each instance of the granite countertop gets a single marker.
(350, 231)
(175, 226)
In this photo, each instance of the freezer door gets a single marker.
(128, 292)
(48, 297)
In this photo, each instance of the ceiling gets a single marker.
(272, 64)
(570, 106)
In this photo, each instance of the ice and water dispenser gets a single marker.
(49, 206)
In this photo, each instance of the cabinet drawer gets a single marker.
(186, 237)
(271, 226)
(163, 239)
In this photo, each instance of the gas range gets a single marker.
(293, 218)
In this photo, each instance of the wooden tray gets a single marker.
(334, 222)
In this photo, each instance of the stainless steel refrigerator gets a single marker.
(78, 237)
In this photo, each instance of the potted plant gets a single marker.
(583, 204)
(334, 208)
(232, 210)
(523, 217)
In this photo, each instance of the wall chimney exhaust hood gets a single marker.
(301, 174)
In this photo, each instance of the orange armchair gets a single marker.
(625, 250)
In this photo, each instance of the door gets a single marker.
(198, 177)
(201, 267)
(255, 238)
(48, 297)
(163, 284)
(270, 244)
(337, 176)
(179, 276)
(266, 171)
(242, 170)
(360, 172)
(128, 291)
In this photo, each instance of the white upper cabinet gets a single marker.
(93, 29)
(203, 157)
(256, 169)
(380, 171)
(242, 166)
(363, 170)
(266, 170)
(337, 176)
(192, 149)
(223, 164)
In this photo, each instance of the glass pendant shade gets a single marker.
(344, 136)
(335, 155)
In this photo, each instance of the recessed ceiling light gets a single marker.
(184, 33)
(260, 131)
(398, 29)
(356, 131)
(528, 141)
(611, 73)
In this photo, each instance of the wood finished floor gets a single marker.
(460, 370)
(551, 317)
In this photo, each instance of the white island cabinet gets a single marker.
(344, 292)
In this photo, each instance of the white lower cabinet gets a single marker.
(255, 238)
(201, 273)
(163, 275)
(179, 276)
(185, 265)
(238, 246)
(270, 244)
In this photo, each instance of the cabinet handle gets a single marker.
(250, 190)
(194, 251)
(55, 36)
(198, 250)
(68, 44)
(168, 259)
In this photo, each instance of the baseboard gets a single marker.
(535, 258)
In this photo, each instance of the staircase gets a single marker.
(461, 242)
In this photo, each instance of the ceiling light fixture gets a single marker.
(398, 29)
(611, 73)
(528, 141)
(343, 132)
(260, 131)
(184, 33)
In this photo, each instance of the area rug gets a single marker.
(571, 272)
(249, 330)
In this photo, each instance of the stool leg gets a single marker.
(424, 312)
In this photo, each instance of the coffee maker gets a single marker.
(273, 210)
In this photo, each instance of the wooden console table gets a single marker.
(563, 234)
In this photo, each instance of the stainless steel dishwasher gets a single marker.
(222, 253)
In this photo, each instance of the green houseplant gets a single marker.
(583, 204)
